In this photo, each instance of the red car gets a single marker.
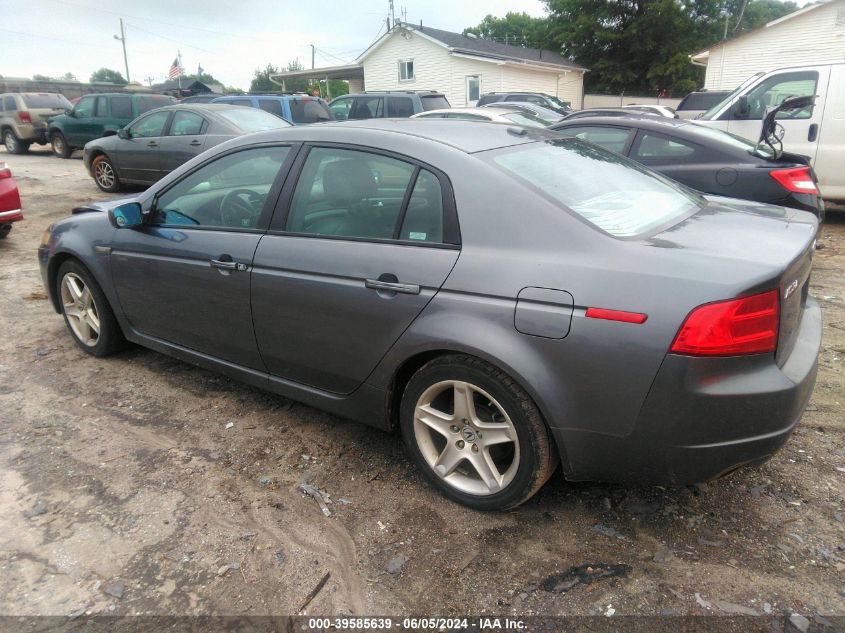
(10, 201)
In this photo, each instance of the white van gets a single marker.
(817, 131)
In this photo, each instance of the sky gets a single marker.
(229, 39)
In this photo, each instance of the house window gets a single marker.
(473, 88)
(406, 70)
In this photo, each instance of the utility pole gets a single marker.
(313, 50)
(149, 81)
(122, 40)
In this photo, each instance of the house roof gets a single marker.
(476, 46)
(187, 84)
(702, 56)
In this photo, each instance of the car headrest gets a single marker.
(348, 181)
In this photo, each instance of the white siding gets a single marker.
(815, 37)
(435, 68)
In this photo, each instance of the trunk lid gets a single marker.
(762, 246)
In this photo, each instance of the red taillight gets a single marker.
(23, 115)
(740, 326)
(615, 315)
(797, 180)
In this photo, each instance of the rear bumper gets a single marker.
(14, 215)
(32, 132)
(704, 417)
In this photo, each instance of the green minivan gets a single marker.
(95, 116)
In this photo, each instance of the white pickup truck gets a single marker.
(817, 131)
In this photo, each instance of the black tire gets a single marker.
(60, 145)
(538, 456)
(110, 338)
(105, 174)
(13, 144)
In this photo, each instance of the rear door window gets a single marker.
(423, 221)
(657, 147)
(187, 124)
(151, 102)
(349, 193)
(340, 108)
(613, 138)
(400, 107)
(121, 107)
(367, 108)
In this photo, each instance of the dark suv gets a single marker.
(376, 105)
(95, 116)
(296, 108)
(538, 98)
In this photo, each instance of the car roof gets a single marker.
(465, 136)
(682, 128)
(211, 107)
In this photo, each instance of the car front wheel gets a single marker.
(476, 434)
(13, 144)
(87, 312)
(60, 146)
(105, 175)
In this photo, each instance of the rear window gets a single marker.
(54, 101)
(252, 119)
(309, 111)
(631, 200)
(151, 102)
(436, 102)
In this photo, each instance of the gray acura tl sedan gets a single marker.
(507, 297)
(161, 140)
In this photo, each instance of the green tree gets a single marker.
(261, 80)
(41, 78)
(519, 29)
(107, 75)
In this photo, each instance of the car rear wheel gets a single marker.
(105, 175)
(476, 434)
(60, 146)
(87, 312)
(13, 144)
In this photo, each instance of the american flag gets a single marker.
(175, 69)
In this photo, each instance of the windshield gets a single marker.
(561, 104)
(612, 193)
(715, 109)
(252, 119)
(47, 100)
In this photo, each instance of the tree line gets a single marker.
(634, 45)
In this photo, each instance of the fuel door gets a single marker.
(543, 312)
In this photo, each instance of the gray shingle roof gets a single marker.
(489, 48)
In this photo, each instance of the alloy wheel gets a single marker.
(58, 144)
(11, 142)
(104, 173)
(80, 309)
(466, 437)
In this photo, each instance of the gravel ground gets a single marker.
(123, 491)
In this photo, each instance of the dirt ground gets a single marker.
(123, 491)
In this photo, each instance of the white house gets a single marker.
(812, 35)
(413, 57)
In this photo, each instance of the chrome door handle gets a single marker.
(194, 143)
(227, 265)
(390, 286)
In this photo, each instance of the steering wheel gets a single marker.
(238, 211)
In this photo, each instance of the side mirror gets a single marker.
(741, 108)
(126, 216)
(124, 133)
(69, 112)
